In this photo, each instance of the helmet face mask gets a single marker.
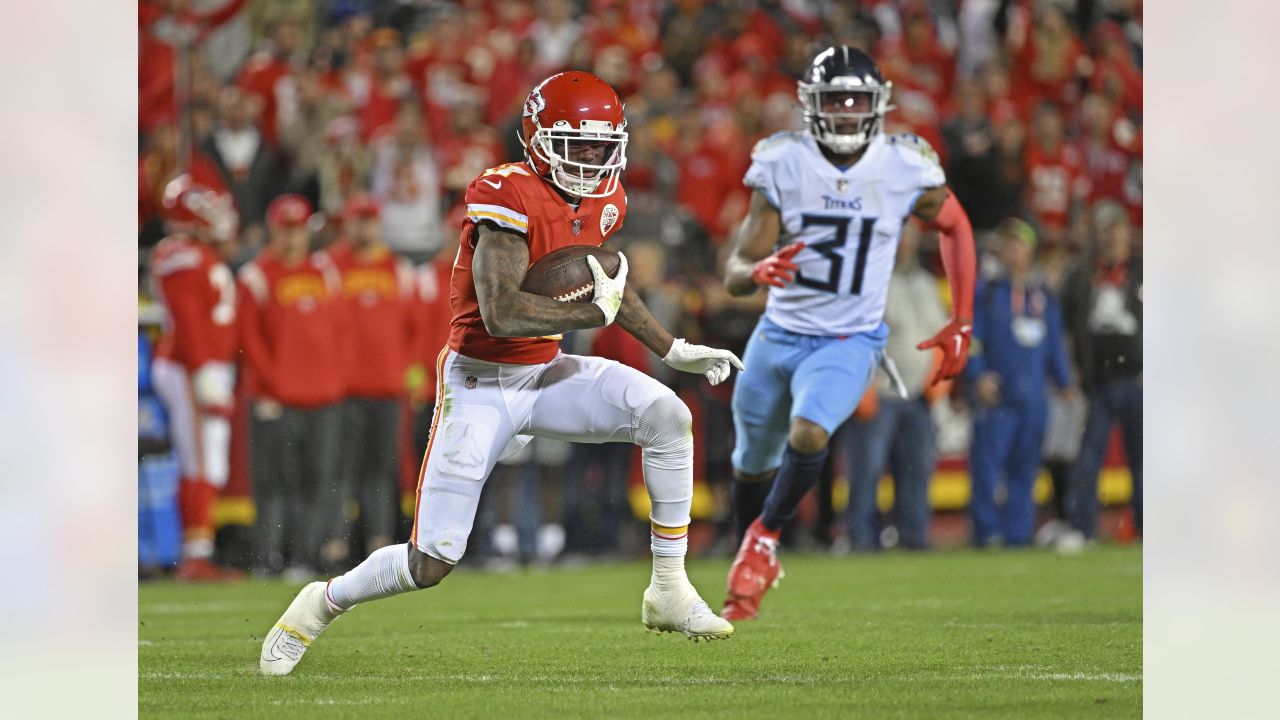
(200, 211)
(581, 151)
(844, 99)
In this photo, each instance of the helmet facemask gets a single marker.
(211, 216)
(845, 114)
(584, 161)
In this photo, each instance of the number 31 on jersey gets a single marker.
(831, 250)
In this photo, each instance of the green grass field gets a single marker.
(954, 634)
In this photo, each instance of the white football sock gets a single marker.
(383, 574)
(668, 573)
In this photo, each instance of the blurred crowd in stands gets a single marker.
(387, 110)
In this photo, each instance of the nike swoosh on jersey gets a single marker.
(494, 185)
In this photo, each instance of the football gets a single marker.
(564, 274)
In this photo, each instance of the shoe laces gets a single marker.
(767, 546)
(290, 646)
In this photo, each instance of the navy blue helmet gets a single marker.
(844, 98)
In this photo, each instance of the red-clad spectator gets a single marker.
(1047, 65)
(389, 85)
(754, 73)
(291, 320)
(705, 178)
(470, 148)
(513, 72)
(162, 25)
(1105, 162)
(1115, 74)
(379, 290)
(916, 58)
(268, 74)
(1056, 179)
(193, 371)
(442, 76)
(608, 26)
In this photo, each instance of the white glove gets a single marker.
(711, 362)
(213, 385)
(608, 290)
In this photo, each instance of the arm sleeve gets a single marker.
(955, 240)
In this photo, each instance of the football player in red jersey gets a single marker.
(503, 378)
(193, 369)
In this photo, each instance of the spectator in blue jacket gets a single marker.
(1017, 346)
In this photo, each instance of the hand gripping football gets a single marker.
(564, 275)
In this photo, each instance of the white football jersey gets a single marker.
(849, 221)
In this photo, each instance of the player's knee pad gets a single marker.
(665, 429)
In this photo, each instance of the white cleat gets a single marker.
(308, 615)
(683, 611)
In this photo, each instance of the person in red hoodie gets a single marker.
(193, 370)
(379, 289)
(291, 320)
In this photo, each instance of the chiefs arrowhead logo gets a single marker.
(608, 218)
(535, 104)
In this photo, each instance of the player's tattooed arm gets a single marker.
(756, 239)
(635, 318)
(500, 262)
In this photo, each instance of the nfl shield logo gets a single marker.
(842, 185)
(577, 225)
(470, 382)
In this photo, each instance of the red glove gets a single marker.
(953, 341)
(777, 269)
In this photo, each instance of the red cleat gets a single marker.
(203, 570)
(754, 571)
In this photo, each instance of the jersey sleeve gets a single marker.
(918, 165)
(766, 173)
(494, 198)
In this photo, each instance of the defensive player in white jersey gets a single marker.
(502, 377)
(822, 232)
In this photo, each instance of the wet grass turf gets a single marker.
(955, 634)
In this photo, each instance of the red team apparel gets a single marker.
(291, 325)
(199, 294)
(194, 375)
(1055, 179)
(379, 291)
(517, 200)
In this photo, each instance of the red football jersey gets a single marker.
(199, 294)
(291, 322)
(380, 292)
(1054, 181)
(514, 198)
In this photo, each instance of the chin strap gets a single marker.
(956, 245)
